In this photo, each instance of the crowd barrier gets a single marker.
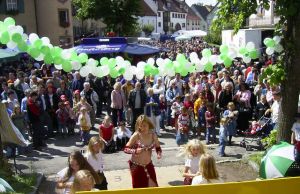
(272, 186)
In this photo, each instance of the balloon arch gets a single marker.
(41, 49)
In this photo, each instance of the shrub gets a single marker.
(270, 140)
(148, 29)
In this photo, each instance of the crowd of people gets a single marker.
(45, 103)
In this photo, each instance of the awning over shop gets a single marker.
(8, 55)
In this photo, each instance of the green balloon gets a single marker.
(112, 62)
(147, 69)
(22, 46)
(208, 67)
(227, 62)
(113, 73)
(270, 43)
(9, 21)
(83, 58)
(56, 51)
(38, 43)
(155, 71)
(104, 61)
(180, 57)
(253, 54)
(16, 37)
(242, 50)
(206, 53)
(74, 55)
(169, 64)
(121, 71)
(34, 52)
(5, 37)
(66, 66)
(266, 40)
(2, 27)
(192, 69)
(48, 59)
(223, 57)
(45, 50)
(184, 72)
(57, 60)
(224, 49)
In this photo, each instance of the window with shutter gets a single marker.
(11, 5)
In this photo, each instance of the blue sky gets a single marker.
(205, 2)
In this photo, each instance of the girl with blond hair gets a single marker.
(94, 156)
(207, 171)
(83, 181)
(192, 151)
(140, 147)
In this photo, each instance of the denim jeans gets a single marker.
(85, 136)
(222, 144)
(181, 138)
(210, 131)
(162, 119)
(169, 115)
(62, 128)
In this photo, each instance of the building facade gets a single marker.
(50, 18)
(264, 18)
(206, 14)
(193, 21)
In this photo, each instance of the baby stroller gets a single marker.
(255, 133)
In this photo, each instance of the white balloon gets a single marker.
(132, 69)
(204, 60)
(188, 65)
(98, 72)
(151, 61)
(278, 48)
(11, 29)
(84, 71)
(40, 57)
(66, 54)
(140, 74)
(76, 65)
(193, 55)
(270, 51)
(166, 61)
(11, 45)
(92, 62)
(19, 29)
(277, 39)
(159, 61)
(58, 67)
(141, 65)
(127, 64)
(247, 59)
(199, 67)
(213, 59)
(46, 41)
(128, 75)
(33, 37)
(162, 71)
(250, 46)
(105, 70)
(170, 72)
(25, 37)
(219, 60)
(232, 54)
(119, 60)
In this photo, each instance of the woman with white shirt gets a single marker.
(123, 135)
(159, 88)
(94, 156)
(207, 171)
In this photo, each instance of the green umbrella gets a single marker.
(7, 55)
(5, 187)
(277, 161)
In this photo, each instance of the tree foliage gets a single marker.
(148, 29)
(119, 15)
(286, 71)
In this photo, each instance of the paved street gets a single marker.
(54, 158)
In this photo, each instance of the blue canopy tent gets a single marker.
(114, 45)
(101, 45)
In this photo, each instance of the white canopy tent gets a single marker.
(190, 33)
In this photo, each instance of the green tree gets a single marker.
(119, 15)
(287, 71)
(148, 29)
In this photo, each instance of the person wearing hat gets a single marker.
(295, 138)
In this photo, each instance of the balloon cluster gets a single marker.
(248, 52)
(67, 59)
(273, 45)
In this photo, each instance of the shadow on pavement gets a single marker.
(175, 183)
